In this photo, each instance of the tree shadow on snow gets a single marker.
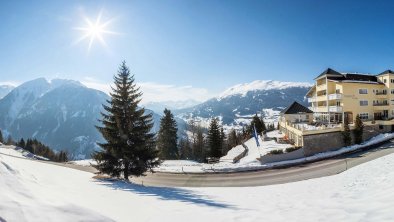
(164, 193)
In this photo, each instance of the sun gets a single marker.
(95, 31)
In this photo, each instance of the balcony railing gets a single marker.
(311, 99)
(335, 108)
(335, 96)
(385, 103)
(380, 93)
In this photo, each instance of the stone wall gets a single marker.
(319, 143)
(282, 157)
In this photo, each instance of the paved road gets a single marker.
(322, 168)
(318, 169)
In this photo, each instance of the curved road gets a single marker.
(322, 168)
(317, 169)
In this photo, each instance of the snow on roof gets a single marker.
(243, 89)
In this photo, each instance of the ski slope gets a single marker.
(35, 191)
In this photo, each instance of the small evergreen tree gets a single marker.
(21, 143)
(198, 146)
(214, 139)
(223, 141)
(167, 137)
(232, 139)
(129, 148)
(347, 139)
(258, 123)
(358, 130)
(185, 149)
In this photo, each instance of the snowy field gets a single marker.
(34, 191)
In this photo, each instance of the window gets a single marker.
(363, 102)
(392, 80)
(337, 91)
(363, 91)
(384, 80)
(381, 127)
(363, 116)
(338, 103)
(392, 91)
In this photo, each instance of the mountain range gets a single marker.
(236, 105)
(63, 113)
(60, 113)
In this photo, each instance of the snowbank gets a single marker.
(34, 191)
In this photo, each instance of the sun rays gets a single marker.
(95, 31)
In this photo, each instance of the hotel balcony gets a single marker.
(383, 103)
(335, 108)
(312, 99)
(335, 96)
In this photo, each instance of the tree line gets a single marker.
(37, 148)
(200, 143)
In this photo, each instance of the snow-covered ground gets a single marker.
(250, 161)
(19, 152)
(34, 191)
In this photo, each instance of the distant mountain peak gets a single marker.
(244, 88)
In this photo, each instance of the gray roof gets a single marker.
(330, 72)
(389, 71)
(296, 108)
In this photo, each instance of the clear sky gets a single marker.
(194, 48)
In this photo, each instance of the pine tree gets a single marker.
(214, 139)
(232, 139)
(185, 149)
(129, 148)
(223, 141)
(21, 143)
(167, 137)
(1, 137)
(347, 139)
(199, 146)
(258, 123)
(358, 130)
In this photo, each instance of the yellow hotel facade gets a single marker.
(336, 96)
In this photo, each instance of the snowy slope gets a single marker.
(364, 193)
(243, 89)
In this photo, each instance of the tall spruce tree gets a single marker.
(214, 139)
(129, 149)
(1, 137)
(167, 137)
(358, 130)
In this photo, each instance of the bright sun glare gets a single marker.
(95, 31)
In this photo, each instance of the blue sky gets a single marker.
(195, 49)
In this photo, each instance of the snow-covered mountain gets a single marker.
(5, 89)
(236, 105)
(60, 113)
